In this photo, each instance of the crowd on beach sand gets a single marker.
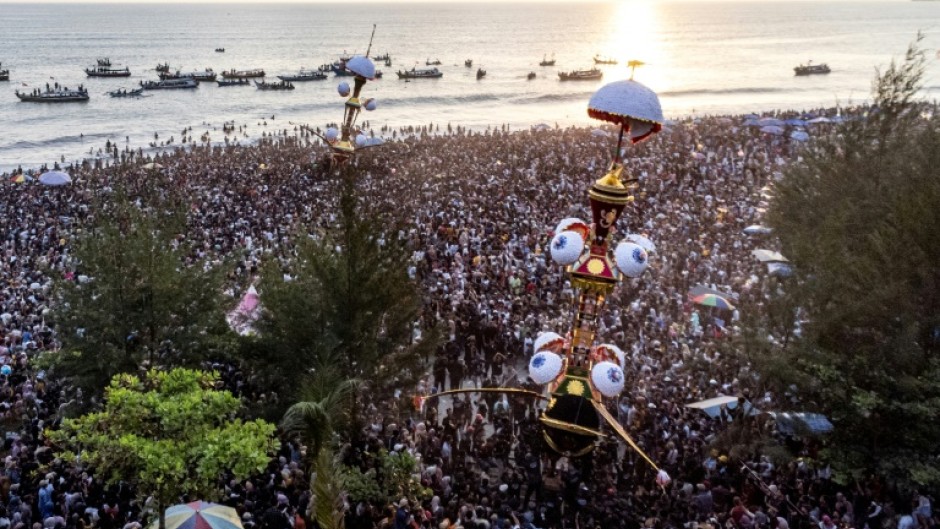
(481, 207)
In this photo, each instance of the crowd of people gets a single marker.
(481, 207)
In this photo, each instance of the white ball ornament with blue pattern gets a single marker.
(631, 259)
(607, 378)
(544, 367)
(566, 247)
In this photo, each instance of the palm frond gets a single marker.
(328, 492)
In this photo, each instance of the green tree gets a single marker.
(139, 301)
(169, 434)
(324, 410)
(858, 219)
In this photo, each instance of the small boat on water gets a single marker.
(378, 74)
(385, 58)
(169, 84)
(581, 75)
(811, 69)
(481, 73)
(220, 50)
(604, 60)
(107, 71)
(106, 62)
(233, 82)
(388, 62)
(546, 62)
(279, 85)
(123, 92)
(243, 74)
(530, 76)
(468, 63)
(305, 75)
(163, 68)
(4, 74)
(57, 95)
(435, 62)
(206, 75)
(339, 68)
(424, 73)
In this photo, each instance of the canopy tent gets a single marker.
(698, 290)
(712, 407)
(768, 256)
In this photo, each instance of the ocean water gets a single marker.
(702, 58)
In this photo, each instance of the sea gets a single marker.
(701, 57)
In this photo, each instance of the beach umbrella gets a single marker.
(21, 178)
(712, 407)
(600, 133)
(200, 515)
(642, 241)
(765, 122)
(713, 300)
(795, 122)
(779, 269)
(799, 135)
(752, 123)
(631, 105)
(756, 229)
(776, 130)
(820, 119)
(55, 178)
(699, 155)
(768, 256)
(152, 165)
(698, 290)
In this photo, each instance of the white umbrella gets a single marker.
(644, 242)
(630, 104)
(757, 229)
(821, 119)
(712, 407)
(600, 133)
(768, 256)
(153, 165)
(55, 178)
(799, 135)
(772, 129)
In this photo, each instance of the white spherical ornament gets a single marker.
(574, 224)
(331, 134)
(343, 89)
(566, 247)
(544, 367)
(362, 140)
(370, 105)
(611, 352)
(662, 478)
(631, 259)
(551, 341)
(607, 378)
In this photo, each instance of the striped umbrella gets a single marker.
(707, 300)
(201, 515)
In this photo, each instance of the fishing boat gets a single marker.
(123, 92)
(169, 84)
(304, 75)
(378, 74)
(4, 74)
(388, 62)
(435, 62)
(107, 71)
(57, 95)
(385, 58)
(163, 68)
(581, 75)
(424, 73)
(206, 75)
(106, 62)
(546, 62)
(481, 73)
(468, 63)
(339, 68)
(280, 85)
(243, 74)
(233, 82)
(604, 60)
(530, 76)
(811, 69)
(220, 50)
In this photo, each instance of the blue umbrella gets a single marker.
(799, 135)
(765, 122)
(772, 129)
(794, 122)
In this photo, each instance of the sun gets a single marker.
(634, 34)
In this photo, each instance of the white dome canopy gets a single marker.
(362, 66)
(631, 104)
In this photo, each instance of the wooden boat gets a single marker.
(169, 84)
(426, 73)
(435, 62)
(207, 75)
(604, 60)
(4, 74)
(468, 63)
(243, 74)
(811, 69)
(546, 62)
(54, 95)
(530, 76)
(163, 68)
(106, 62)
(123, 92)
(233, 82)
(305, 75)
(384, 58)
(339, 68)
(106, 71)
(220, 50)
(388, 62)
(378, 74)
(581, 75)
(280, 85)
(481, 73)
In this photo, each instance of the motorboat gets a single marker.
(206, 75)
(123, 92)
(468, 63)
(339, 68)
(107, 71)
(279, 85)
(388, 62)
(811, 69)
(424, 73)
(305, 75)
(233, 82)
(169, 84)
(54, 95)
(243, 74)
(546, 62)
(481, 73)
(163, 68)
(384, 58)
(378, 74)
(581, 75)
(4, 74)
(220, 50)
(530, 76)
(106, 62)
(435, 62)
(604, 60)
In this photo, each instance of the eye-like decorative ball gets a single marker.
(612, 353)
(574, 224)
(370, 105)
(631, 258)
(551, 341)
(343, 89)
(331, 134)
(607, 378)
(544, 367)
(566, 247)
(362, 140)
